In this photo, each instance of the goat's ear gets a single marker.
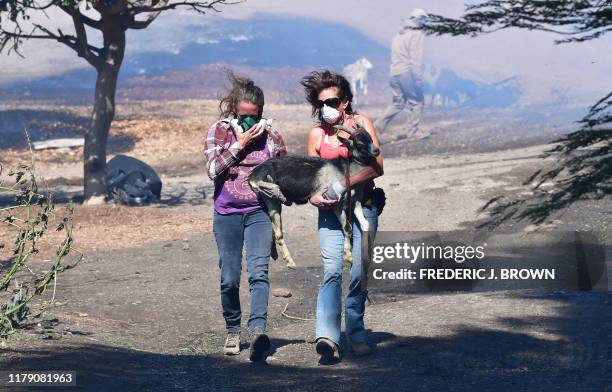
(346, 142)
(359, 127)
(348, 130)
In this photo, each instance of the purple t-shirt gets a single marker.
(233, 194)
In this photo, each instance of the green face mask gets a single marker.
(247, 122)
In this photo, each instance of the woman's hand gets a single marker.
(335, 191)
(245, 138)
(319, 201)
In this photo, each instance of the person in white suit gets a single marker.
(406, 81)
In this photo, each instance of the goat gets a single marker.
(294, 179)
(357, 72)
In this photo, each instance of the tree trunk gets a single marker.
(104, 109)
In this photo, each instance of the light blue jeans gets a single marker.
(329, 300)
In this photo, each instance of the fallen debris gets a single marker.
(58, 143)
(284, 313)
(281, 292)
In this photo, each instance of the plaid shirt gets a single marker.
(221, 154)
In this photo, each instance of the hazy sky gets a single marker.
(583, 68)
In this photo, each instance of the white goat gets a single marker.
(358, 73)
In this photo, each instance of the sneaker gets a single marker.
(260, 343)
(361, 349)
(326, 349)
(232, 344)
(420, 136)
(413, 138)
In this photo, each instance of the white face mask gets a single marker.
(329, 114)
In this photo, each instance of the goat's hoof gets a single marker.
(290, 264)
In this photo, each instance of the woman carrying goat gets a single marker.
(330, 96)
(233, 147)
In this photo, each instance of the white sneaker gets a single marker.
(232, 344)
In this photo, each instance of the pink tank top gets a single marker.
(326, 150)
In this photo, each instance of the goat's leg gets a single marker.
(347, 254)
(271, 190)
(274, 210)
(363, 222)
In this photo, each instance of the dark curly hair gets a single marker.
(317, 81)
(242, 90)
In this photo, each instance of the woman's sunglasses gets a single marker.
(331, 102)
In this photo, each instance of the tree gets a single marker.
(583, 159)
(111, 19)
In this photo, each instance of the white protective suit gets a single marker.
(407, 50)
(406, 74)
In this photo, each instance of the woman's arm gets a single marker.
(219, 157)
(314, 139)
(376, 167)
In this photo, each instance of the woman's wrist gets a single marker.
(235, 148)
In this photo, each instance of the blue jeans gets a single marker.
(329, 301)
(253, 229)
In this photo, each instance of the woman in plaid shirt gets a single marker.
(233, 147)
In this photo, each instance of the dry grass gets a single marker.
(98, 228)
(161, 133)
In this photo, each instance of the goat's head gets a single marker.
(360, 144)
(365, 63)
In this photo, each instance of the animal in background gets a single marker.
(358, 73)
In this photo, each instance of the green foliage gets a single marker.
(30, 214)
(582, 167)
(577, 20)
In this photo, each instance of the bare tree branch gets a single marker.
(198, 6)
(96, 24)
(7, 36)
(81, 43)
(143, 24)
(37, 7)
(67, 40)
